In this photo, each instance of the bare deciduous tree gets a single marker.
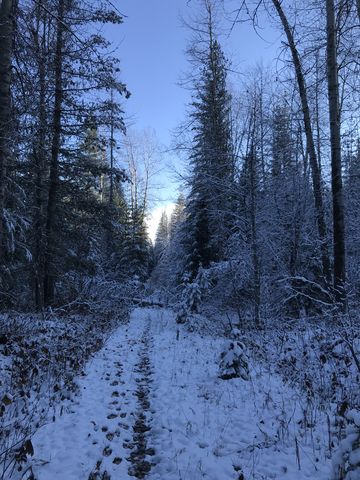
(335, 141)
(314, 164)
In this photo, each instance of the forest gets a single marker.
(228, 347)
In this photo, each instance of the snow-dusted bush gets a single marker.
(230, 282)
(192, 294)
(181, 314)
(346, 460)
(320, 361)
(98, 295)
(194, 291)
(234, 361)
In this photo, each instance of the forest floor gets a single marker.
(152, 406)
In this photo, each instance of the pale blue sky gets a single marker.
(152, 52)
(152, 58)
(152, 44)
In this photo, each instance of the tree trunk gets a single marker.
(112, 144)
(335, 141)
(6, 42)
(253, 178)
(40, 164)
(317, 115)
(49, 268)
(310, 144)
(254, 239)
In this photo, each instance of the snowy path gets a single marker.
(153, 407)
(102, 429)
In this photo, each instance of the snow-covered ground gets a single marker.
(91, 435)
(152, 406)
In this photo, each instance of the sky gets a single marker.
(151, 47)
(152, 43)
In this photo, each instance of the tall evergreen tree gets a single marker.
(135, 254)
(64, 73)
(177, 216)
(170, 266)
(162, 237)
(208, 209)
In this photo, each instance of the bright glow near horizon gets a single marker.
(154, 218)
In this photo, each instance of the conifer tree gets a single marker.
(177, 216)
(62, 60)
(208, 209)
(162, 237)
(170, 266)
(135, 255)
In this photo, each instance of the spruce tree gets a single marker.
(135, 248)
(162, 237)
(209, 204)
(177, 216)
(170, 266)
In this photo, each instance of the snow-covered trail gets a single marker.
(100, 431)
(152, 406)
